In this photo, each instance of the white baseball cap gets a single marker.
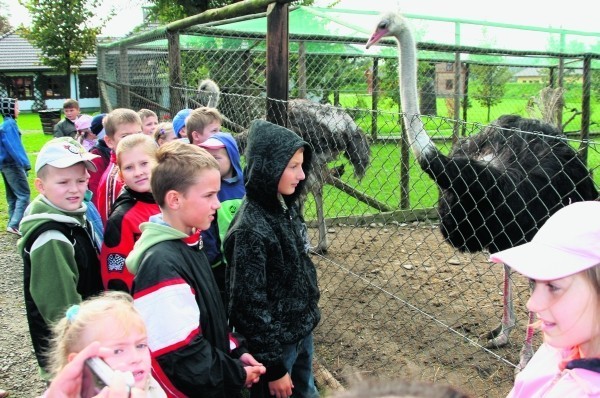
(568, 243)
(64, 152)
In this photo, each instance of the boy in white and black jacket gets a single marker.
(272, 282)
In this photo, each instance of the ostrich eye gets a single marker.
(383, 25)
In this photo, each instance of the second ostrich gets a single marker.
(497, 187)
(329, 130)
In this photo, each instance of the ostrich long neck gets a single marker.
(418, 139)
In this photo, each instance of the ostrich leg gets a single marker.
(499, 336)
(318, 195)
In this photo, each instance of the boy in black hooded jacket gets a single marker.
(271, 280)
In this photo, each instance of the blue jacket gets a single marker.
(12, 152)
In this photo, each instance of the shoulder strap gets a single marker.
(65, 229)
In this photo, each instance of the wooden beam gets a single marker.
(176, 104)
(397, 216)
(277, 62)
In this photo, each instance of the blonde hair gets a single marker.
(131, 141)
(146, 113)
(119, 117)
(161, 130)
(178, 167)
(68, 333)
(199, 118)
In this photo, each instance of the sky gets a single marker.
(574, 14)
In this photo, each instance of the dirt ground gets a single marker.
(397, 302)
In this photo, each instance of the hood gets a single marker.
(269, 149)
(7, 107)
(40, 211)
(232, 151)
(153, 232)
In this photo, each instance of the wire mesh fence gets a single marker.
(399, 296)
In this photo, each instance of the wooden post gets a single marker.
(302, 89)
(586, 91)
(277, 62)
(124, 78)
(457, 93)
(465, 101)
(374, 98)
(561, 84)
(176, 104)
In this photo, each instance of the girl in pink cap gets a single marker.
(85, 136)
(563, 263)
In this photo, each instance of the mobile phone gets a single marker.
(97, 374)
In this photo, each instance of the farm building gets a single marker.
(23, 76)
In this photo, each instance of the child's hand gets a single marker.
(248, 360)
(281, 388)
(119, 389)
(68, 382)
(253, 374)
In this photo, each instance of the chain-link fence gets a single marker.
(398, 299)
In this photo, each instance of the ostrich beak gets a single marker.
(377, 35)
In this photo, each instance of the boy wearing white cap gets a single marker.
(60, 256)
(563, 263)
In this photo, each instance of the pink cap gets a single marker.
(568, 243)
(83, 122)
(212, 143)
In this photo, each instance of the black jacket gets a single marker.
(271, 280)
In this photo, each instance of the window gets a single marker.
(19, 87)
(88, 86)
(449, 84)
(55, 86)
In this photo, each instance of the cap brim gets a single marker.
(211, 146)
(543, 262)
(68, 162)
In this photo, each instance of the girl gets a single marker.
(85, 136)
(563, 263)
(164, 133)
(136, 155)
(112, 322)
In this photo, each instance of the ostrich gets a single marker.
(329, 130)
(497, 187)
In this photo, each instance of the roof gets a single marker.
(528, 72)
(18, 54)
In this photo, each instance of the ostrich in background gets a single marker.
(329, 130)
(497, 187)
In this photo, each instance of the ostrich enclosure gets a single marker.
(397, 300)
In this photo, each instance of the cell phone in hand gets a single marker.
(97, 374)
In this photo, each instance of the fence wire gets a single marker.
(399, 299)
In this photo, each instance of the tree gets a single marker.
(491, 83)
(4, 14)
(63, 31)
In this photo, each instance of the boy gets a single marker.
(179, 124)
(271, 280)
(66, 127)
(174, 289)
(202, 123)
(14, 165)
(223, 148)
(118, 124)
(149, 121)
(61, 266)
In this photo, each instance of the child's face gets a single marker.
(222, 157)
(87, 133)
(64, 188)
(209, 130)
(198, 205)
(568, 311)
(149, 124)
(16, 109)
(71, 113)
(292, 174)
(129, 351)
(136, 168)
(123, 131)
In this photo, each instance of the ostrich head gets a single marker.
(390, 24)
(208, 93)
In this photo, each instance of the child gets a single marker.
(118, 124)
(563, 263)
(164, 133)
(66, 127)
(193, 354)
(14, 165)
(85, 136)
(136, 155)
(61, 265)
(149, 121)
(100, 149)
(224, 149)
(202, 123)
(179, 124)
(113, 322)
(271, 280)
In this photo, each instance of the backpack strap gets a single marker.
(63, 228)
